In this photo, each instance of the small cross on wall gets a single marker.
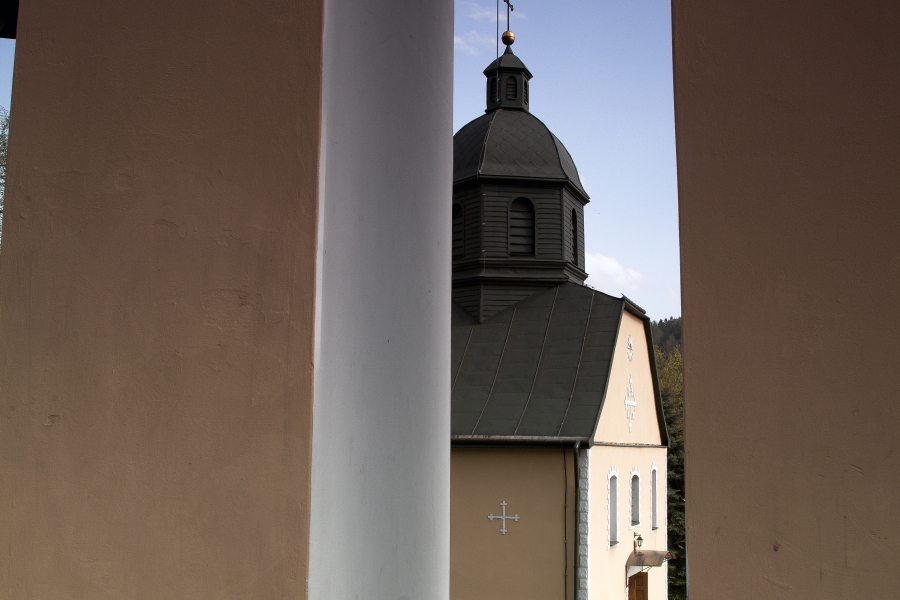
(503, 518)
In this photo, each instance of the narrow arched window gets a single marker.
(494, 96)
(574, 237)
(521, 227)
(459, 231)
(613, 510)
(635, 500)
(654, 511)
(526, 91)
(511, 88)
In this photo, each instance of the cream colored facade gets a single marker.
(536, 557)
(623, 451)
(608, 575)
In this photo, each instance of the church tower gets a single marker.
(518, 204)
(540, 362)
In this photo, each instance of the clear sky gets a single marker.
(603, 84)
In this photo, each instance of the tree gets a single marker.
(670, 365)
(4, 140)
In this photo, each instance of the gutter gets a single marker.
(516, 440)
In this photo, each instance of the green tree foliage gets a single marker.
(670, 365)
(4, 137)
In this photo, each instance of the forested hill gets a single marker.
(669, 365)
(666, 333)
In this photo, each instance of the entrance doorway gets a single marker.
(637, 586)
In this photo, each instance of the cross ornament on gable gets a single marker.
(630, 403)
(503, 518)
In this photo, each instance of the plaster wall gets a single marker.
(628, 374)
(608, 571)
(787, 128)
(530, 561)
(381, 443)
(156, 300)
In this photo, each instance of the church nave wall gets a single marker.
(533, 560)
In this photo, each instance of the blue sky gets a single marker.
(603, 84)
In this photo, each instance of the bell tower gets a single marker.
(518, 203)
(507, 80)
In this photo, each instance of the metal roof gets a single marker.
(512, 143)
(508, 61)
(537, 370)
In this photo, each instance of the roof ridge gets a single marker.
(587, 326)
(560, 149)
(537, 367)
(496, 373)
(555, 143)
(484, 143)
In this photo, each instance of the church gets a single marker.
(558, 456)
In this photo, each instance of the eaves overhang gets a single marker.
(481, 178)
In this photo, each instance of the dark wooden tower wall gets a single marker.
(485, 217)
(570, 203)
(488, 275)
(469, 201)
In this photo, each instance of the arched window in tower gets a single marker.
(526, 91)
(459, 231)
(493, 97)
(574, 237)
(511, 88)
(521, 227)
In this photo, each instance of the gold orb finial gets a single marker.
(508, 38)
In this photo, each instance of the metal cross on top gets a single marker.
(509, 7)
(503, 518)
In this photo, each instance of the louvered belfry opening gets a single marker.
(459, 231)
(521, 227)
(574, 236)
(511, 88)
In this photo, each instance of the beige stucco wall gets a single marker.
(613, 424)
(533, 560)
(607, 575)
(157, 294)
(787, 129)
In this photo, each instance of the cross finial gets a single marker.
(508, 36)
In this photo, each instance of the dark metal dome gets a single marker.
(512, 144)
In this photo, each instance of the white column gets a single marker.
(381, 454)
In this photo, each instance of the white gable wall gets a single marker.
(625, 451)
(625, 374)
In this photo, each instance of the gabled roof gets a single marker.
(538, 371)
(513, 144)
